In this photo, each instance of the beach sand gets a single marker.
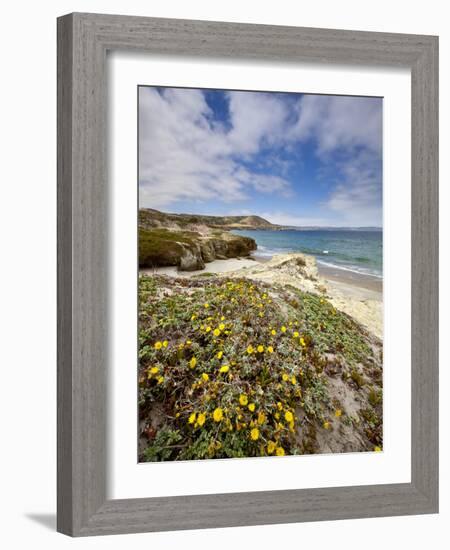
(216, 266)
(353, 284)
(360, 296)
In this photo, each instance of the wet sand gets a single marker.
(354, 284)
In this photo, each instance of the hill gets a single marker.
(188, 240)
(154, 218)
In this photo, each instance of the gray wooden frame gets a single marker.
(83, 40)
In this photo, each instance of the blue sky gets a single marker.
(294, 159)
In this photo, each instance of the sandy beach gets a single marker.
(358, 295)
(216, 266)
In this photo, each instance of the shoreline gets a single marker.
(348, 282)
(368, 286)
(216, 266)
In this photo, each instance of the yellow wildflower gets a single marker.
(154, 370)
(222, 318)
(338, 413)
(260, 349)
(208, 329)
(158, 345)
(216, 332)
(251, 407)
(250, 349)
(302, 341)
(191, 418)
(270, 349)
(206, 306)
(283, 329)
(288, 416)
(285, 377)
(218, 414)
(280, 406)
(254, 434)
(201, 419)
(273, 332)
(243, 399)
(326, 425)
(165, 343)
(271, 446)
(160, 379)
(293, 380)
(205, 377)
(221, 326)
(280, 451)
(296, 334)
(377, 449)
(224, 368)
(219, 354)
(194, 317)
(261, 418)
(192, 363)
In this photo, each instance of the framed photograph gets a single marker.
(247, 274)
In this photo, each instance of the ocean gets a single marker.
(357, 251)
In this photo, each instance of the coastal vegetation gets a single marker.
(233, 367)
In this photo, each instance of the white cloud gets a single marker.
(187, 155)
(348, 134)
(257, 120)
(182, 156)
(358, 196)
(339, 123)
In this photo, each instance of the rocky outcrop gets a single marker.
(191, 259)
(189, 250)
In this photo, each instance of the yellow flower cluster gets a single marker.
(243, 399)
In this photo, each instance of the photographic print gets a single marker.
(260, 274)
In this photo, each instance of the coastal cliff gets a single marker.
(190, 241)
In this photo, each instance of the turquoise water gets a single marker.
(357, 251)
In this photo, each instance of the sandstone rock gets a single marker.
(191, 260)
